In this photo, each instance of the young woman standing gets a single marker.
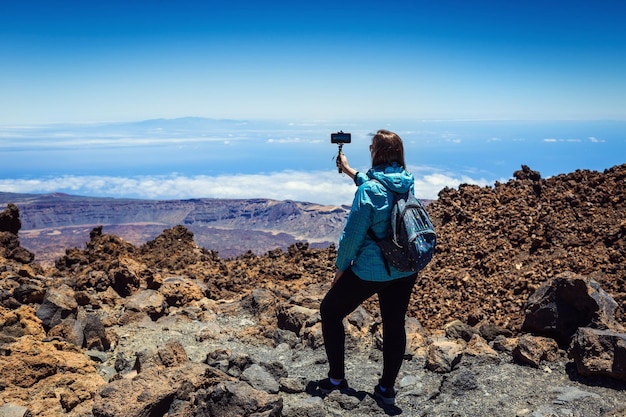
(361, 271)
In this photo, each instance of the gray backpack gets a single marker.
(410, 241)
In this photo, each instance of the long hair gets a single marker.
(387, 148)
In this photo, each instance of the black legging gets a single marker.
(344, 297)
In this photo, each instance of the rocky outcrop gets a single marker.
(10, 225)
(10, 219)
(497, 245)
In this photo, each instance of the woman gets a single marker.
(361, 271)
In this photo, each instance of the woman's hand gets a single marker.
(338, 275)
(342, 162)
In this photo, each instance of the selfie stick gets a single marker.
(339, 159)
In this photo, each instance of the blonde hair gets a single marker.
(387, 148)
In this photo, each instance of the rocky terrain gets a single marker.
(53, 222)
(519, 314)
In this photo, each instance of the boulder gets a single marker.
(22, 255)
(259, 301)
(532, 350)
(19, 322)
(458, 330)
(259, 378)
(14, 410)
(95, 334)
(58, 304)
(480, 349)
(490, 331)
(150, 302)
(150, 393)
(443, 356)
(10, 219)
(70, 330)
(416, 339)
(125, 281)
(293, 317)
(599, 352)
(47, 377)
(237, 398)
(559, 307)
(10, 225)
(180, 291)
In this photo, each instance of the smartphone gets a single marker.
(340, 137)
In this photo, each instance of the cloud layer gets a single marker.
(317, 187)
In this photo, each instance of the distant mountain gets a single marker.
(52, 223)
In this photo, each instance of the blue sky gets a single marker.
(311, 68)
(83, 60)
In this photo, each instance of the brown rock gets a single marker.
(70, 330)
(22, 255)
(19, 322)
(69, 400)
(599, 352)
(180, 291)
(293, 317)
(150, 302)
(532, 350)
(313, 336)
(416, 339)
(150, 393)
(35, 370)
(172, 354)
(479, 348)
(443, 356)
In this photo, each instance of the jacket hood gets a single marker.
(394, 177)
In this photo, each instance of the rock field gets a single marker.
(521, 313)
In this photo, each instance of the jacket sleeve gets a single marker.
(360, 178)
(355, 231)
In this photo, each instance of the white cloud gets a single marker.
(318, 187)
(554, 140)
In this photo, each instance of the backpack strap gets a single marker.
(371, 233)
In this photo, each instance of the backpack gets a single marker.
(410, 241)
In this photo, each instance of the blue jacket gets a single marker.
(371, 208)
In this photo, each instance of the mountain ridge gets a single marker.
(52, 223)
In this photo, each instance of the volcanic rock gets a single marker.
(497, 245)
(559, 307)
(58, 304)
(10, 225)
(599, 352)
(532, 350)
(10, 219)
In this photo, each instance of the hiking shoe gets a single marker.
(327, 387)
(388, 397)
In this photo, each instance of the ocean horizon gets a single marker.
(195, 157)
